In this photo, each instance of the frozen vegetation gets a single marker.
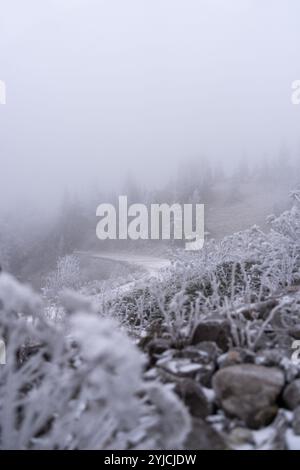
(200, 355)
(118, 118)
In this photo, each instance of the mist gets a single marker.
(97, 90)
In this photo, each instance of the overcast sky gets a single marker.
(96, 88)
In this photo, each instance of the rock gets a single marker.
(179, 367)
(204, 354)
(290, 369)
(249, 392)
(291, 395)
(273, 437)
(210, 348)
(295, 332)
(204, 437)
(236, 356)
(241, 438)
(271, 357)
(205, 375)
(194, 398)
(172, 369)
(217, 331)
(158, 346)
(296, 421)
(262, 417)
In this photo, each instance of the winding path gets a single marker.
(151, 265)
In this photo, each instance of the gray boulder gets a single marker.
(194, 398)
(204, 437)
(249, 392)
(216, 330)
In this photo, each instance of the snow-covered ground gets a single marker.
(141, 266)
(150, 264)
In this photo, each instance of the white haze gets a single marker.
(96, 89)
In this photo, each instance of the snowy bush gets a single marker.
(66, 275)
(248, 267)
(84, 391)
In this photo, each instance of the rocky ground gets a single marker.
(239, 397)
(237, 370)
(222, 329)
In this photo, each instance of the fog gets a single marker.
(98, 89)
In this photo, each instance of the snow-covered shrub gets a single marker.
(84, 391)
(244, 268)
(67, 275)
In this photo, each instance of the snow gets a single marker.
(180, 366)
(293, 441)
(151, 264)
(264, 437)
